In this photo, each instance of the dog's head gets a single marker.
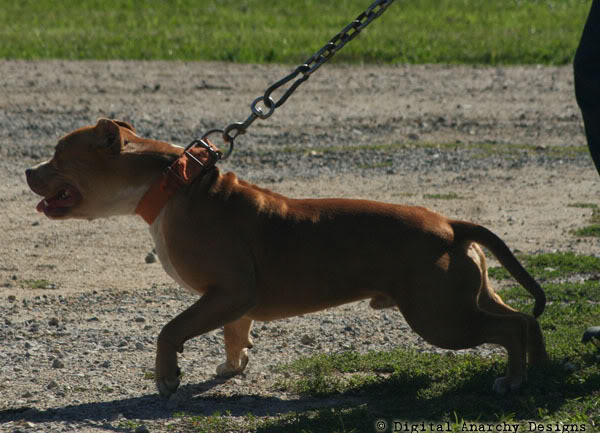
(98, 171)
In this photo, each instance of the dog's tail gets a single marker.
(466, 231)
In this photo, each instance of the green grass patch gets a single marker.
(553, 266)
(215, 423)
(38, 284)
(411, 31)
(447, 196)
(583, 205)
(593, 230)
(410, 387)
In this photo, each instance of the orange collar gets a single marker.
(193, 163)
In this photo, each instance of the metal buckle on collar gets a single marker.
(214, 157)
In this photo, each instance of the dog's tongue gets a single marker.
(60, 202)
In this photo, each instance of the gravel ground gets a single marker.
(81, 307)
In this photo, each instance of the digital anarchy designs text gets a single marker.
(527, 427)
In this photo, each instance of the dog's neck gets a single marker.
(189, 167)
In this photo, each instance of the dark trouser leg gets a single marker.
(587, 80)
(587, 83)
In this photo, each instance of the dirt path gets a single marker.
(98, 306)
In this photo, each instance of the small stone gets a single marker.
(57, 363)
(53, 321)
(150, 258)
(140, 319)
(122, 343)
(142, 429)
(307, 340)
(12, 298)
(139, 346)
(106, 364)
(27, 345)
(93, 319)
(27, 395)
(52, 385)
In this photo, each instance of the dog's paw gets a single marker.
(226, 370)
(168, 385)
(506, 384)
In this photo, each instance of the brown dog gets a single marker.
(256, 255)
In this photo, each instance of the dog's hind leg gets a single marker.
(491, 302)
(237, 343)
(443, 309)
(471, 328)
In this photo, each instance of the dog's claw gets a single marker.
(503, 385)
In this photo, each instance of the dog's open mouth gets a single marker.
(60, 203)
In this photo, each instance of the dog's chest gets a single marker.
(163, 254)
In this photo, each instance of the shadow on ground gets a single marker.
(397, 397)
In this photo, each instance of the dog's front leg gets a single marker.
(216, 308)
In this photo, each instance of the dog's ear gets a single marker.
(109, 136)
(125, 125)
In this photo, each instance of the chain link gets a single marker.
(264, 106)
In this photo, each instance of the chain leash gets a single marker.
(264, 106)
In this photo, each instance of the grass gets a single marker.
(447, 196)
(583, 205)
(553, 266)
(411, 31)
(38, 284)
(412, 391)
(593, 230)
